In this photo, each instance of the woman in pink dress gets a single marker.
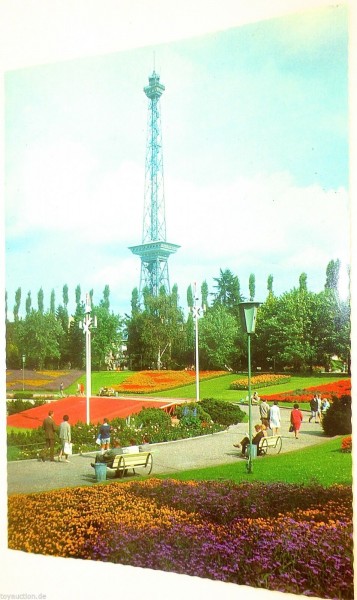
(296, 419)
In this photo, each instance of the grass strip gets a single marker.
(324, 464)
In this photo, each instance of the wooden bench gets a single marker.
(271, 441)
(123, 462)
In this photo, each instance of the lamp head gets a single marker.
(248, 315)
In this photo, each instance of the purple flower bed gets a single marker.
(287, 538)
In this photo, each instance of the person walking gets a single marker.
(296, 418)
(65, 437)
(319, 407)
(264, 411)
(275, 418)
(104, 435)
(313, 408)
(49, 427)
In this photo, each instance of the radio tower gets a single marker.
(154, 250)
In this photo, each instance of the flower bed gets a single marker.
(157, 381)
(328, 390)
(259, 381)
(37, 380)
(242, 534)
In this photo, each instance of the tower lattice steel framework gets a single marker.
(154, 250)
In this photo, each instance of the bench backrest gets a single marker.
(271, 439)
(131, 460)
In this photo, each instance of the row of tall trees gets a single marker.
(54, 339)
(298, 330)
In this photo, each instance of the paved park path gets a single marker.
(33, 476)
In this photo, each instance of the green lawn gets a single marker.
(324, 464)
(99, 379)
(219, 387)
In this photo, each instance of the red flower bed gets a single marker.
(337, 388)
(75, 407)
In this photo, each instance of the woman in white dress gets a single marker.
(275, 418)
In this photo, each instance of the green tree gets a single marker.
(40, 341)
(28, 303)
(332, 274)
(190, 297)
(76, 339)
(65, 296)
(106, 293)
(14, 348)
(64, 342)
(156, 334)
(303, 282)
(17, 303)
(228, 291)
(106, 337)
(204, 295)
(53, 302)
(217, 334)
(135, 304)
(270, 284)
(252, 286)
(78, 294)
(40, 301)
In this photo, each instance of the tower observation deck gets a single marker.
(154, 250)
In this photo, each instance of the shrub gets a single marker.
(338, 418)
(153, 417)
(222, 412)
(15, 406)
(192, 410)
(346, 445)
(23, 396)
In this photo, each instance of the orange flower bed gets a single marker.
(259, 381)
(157, 381)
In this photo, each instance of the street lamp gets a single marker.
(23, 371)
(248, 317)
(86, 325)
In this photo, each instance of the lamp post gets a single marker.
(86, 325)
(248, 316)
(23, 371)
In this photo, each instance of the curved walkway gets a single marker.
(33, 476)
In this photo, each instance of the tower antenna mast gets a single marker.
(154, 250)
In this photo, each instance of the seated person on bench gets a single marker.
(260, 432)
(108, 456)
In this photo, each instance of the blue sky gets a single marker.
(255, 141)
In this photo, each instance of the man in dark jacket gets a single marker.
(314, 405)
(50, 429)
